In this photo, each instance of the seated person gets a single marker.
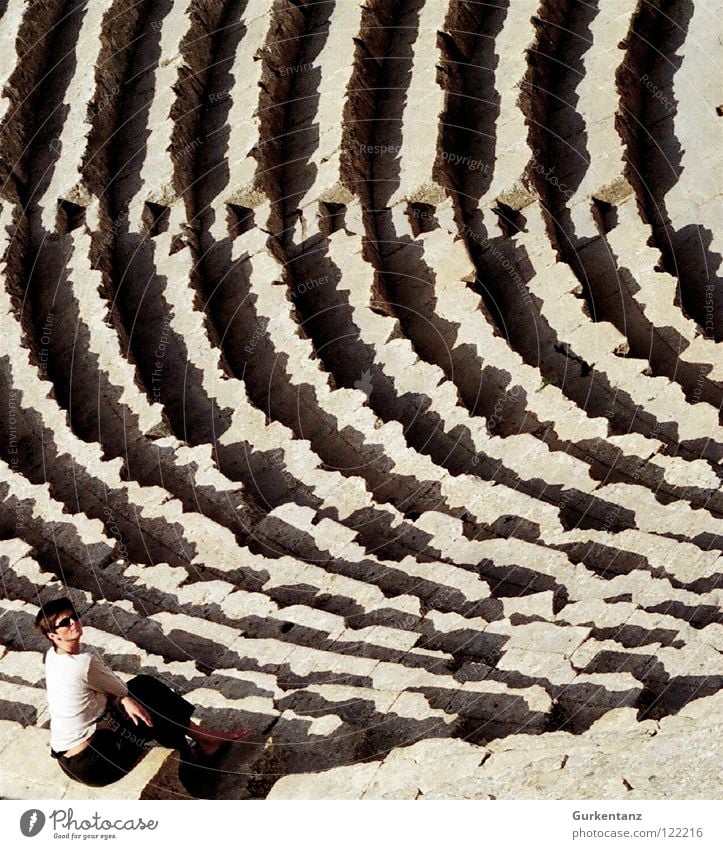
(99, 725)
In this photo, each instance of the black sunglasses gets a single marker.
(63, 623)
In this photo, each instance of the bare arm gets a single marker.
(136, 711)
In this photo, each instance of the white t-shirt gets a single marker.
(78, 688)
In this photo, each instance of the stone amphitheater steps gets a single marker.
(512, 46)
(29, 512)
(221, 502)
(474, 62)
(530, 640)
(416, 163)
(429, 685)
(640, 760)
(583, 399)
(342, 429)
(334, 548)
(532, 336)
(132, 256)
(355, 340)
(583, 102)
(234, 120)
(668, 663)
(349, 500)
(672, 677)
(149, 174)
(207, 23)
(647, 591)
(588, 131)
(71, 109)
(684, 564)
(364, 87)
(340, 450)
(302, 666)
(484, 50)
(469, 229)
(386, 81)
(462, 362)
(272, 35)
(146, 519)
(22, 575)
(149, 586)
(703, 487)
(684, 349)
(674, 148)
(217, 253)
(246, 446)
(244, 691)
(493, 706)
(471, 710)
(88, 35)
(330, 73)
(702, 483)
(564, 46)
(465, 629)
(474, 391)
(377, 716)
(517, 568)
(324, 29)
(389, 365)
(89, 369)
(691, 429)
(27, 34)
(264, 475)
(254, 615)
(259, 45)
(692, 204)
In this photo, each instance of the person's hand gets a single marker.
(136, 711)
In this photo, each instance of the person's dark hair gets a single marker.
(45, 620)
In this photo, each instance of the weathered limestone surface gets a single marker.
(617, 758)
(360, 376)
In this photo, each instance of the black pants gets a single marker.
(114, 750)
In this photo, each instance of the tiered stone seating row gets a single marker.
(253, 120)
(692, 201)
(651, 294)
(389, 363)
(89, 363)
(597, 103)
(695, 427)
(443, 257)
(592, 127)
(606, 181)
(71, 125)
(618, 757)
(345, 432)
(490, 76)
(27, 33)
(246, 243)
